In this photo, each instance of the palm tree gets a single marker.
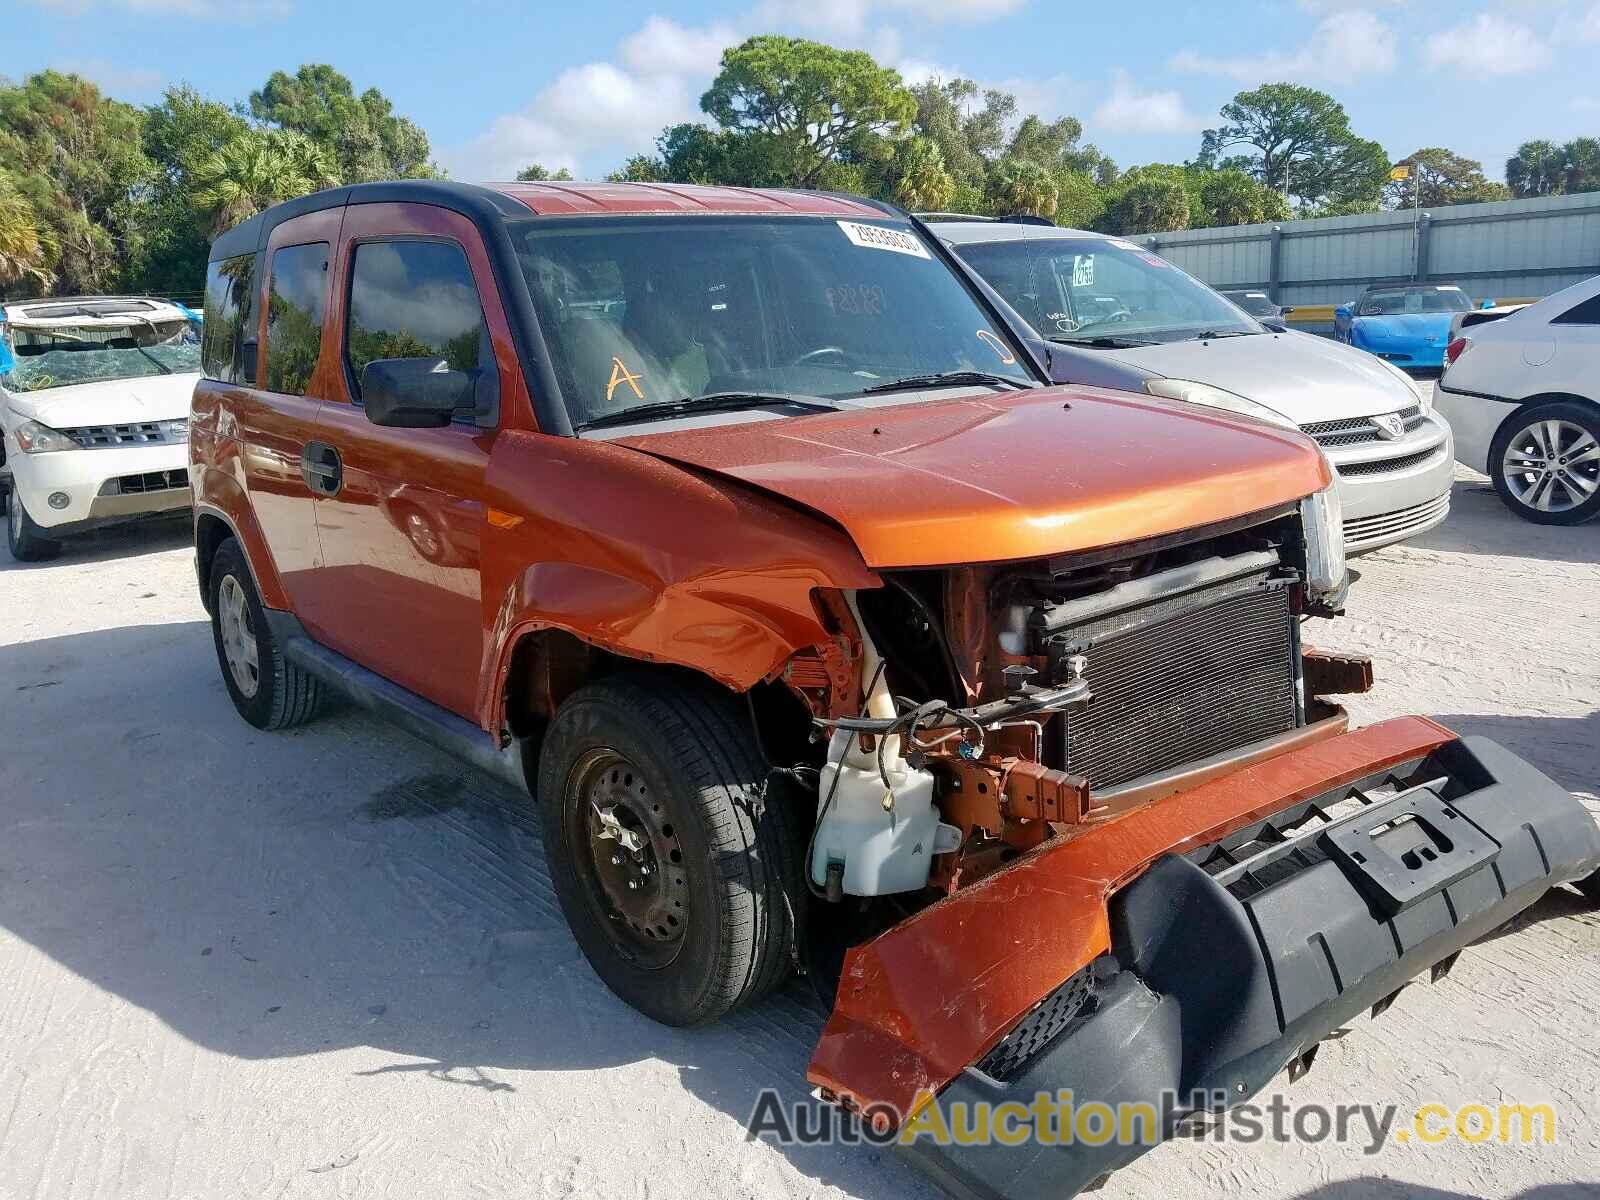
(254, 171)
(1021, 186)
(24, 244)
(923, 183)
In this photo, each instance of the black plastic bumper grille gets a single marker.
(1200, 679)
(1050, 1018)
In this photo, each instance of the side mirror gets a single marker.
(1487, 304)
(1285, 310)
(247, 361)
(415, 393)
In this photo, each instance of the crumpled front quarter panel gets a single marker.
(650, 561)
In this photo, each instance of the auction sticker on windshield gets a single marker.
(1082, 270)
(876, 237)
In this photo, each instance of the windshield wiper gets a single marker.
(712, 402)
(1106, 341)
(1212, 334)
(945, 379)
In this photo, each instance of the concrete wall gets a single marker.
(1513, 248)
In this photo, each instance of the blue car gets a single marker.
(1407, 324)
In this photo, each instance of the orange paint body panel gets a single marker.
(918, 1004)
(1010, 476)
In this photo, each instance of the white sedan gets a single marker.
(1523, 397)
(94, 408)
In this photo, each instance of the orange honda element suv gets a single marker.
(743, 529)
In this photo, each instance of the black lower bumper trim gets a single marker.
(1213, 988)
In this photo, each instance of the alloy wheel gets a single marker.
(1552, 465)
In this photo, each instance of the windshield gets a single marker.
(646, 311)
(1413, 300)
(1081, 289)
(60, 355)
(1257, 304)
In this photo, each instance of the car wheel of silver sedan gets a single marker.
(1545, 463)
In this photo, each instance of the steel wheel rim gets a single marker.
(621, 834)
(1552, 465)
(238, 638)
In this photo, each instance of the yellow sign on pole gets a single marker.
(1403, 171)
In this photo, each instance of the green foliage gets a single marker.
(1019, 186)
(255, 170)
(1080, 200)
(1297, 142)
(539, 173)
(363, 138)
(1440, 177)
(919, 180)
(24, 248)
(77, 160)
(1543, 168)
(1152, 199)
(814, 104)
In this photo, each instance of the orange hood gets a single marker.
(1009, 476)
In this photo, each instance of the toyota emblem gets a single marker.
(1389, 426)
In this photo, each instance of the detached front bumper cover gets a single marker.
(1228, 960)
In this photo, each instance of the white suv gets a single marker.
(1523, 396)
(94, 405)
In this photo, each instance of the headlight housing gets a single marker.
(34, 438)
(1194, 392)
(1322, 519)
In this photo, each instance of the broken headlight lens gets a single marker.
(1322, 518)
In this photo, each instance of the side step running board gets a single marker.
(421, 718)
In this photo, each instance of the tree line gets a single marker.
(99, 195)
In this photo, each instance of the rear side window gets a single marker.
(228, 345)
(295, 309)
(414, 299)
(1587, 313)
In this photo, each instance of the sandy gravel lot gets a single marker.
(329, 963)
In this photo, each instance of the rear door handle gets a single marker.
(321, 468)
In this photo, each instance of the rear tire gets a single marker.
(669, 867)
(269, 691)
(1558, 444)
(25, 539)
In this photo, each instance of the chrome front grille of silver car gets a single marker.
(1355, 431)
(138, 433)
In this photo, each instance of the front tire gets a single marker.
(1544, 462)
(668, 866)
(269, 691)
(25, 539)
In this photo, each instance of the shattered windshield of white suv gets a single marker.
(60, 354)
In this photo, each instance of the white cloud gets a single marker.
(1129, 110)
(1487, 45)
(110, 76)
(853, 16)
(1341, 47)
(1589, 25)
(204, 10)
(602, 110)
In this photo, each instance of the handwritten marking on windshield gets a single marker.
(620, 375)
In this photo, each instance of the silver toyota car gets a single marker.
(1115, 314)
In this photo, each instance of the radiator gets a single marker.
(1182, 679)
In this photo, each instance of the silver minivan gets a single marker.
(1115, 314)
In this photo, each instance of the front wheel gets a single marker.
(670, 869)
(24, 538)
(1545, 463)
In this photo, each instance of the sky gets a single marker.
(497, 84)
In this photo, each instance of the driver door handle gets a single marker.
(321, 468)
